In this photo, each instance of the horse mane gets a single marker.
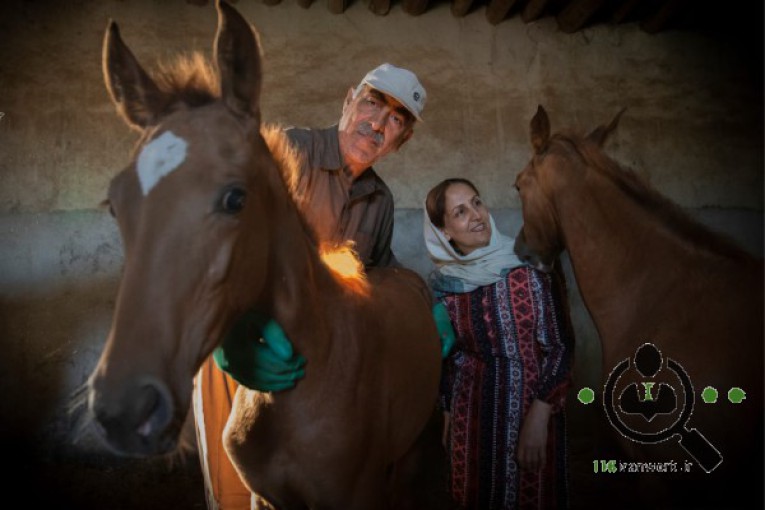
(653, 202)
(288, 160)
(192, 80)
(341, 259)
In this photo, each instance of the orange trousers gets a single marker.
(213, 394)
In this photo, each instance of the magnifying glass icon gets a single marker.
(691, 440)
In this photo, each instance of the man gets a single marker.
(342, 199)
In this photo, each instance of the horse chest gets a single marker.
(292, 448)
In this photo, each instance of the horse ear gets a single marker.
(540, 130)
(237, 54)
(601, 133)
(138, 99)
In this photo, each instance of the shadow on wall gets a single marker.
(51, 342)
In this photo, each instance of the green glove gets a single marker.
(444, 327)
(266, 364)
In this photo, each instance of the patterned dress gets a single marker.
(514, 345)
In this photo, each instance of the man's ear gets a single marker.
(348, 99)
(344, 116)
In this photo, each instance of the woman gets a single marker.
(505, 383)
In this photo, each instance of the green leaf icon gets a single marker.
(736, 395)
(586, 396)
(709, 395)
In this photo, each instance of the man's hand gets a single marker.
(258, 355)
(444, 326)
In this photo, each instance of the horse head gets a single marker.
(554, 167)
(192, 218)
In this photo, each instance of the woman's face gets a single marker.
(466, 218)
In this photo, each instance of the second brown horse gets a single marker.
(650, 274)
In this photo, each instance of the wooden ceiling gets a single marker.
(573, 15)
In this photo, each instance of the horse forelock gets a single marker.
(190, 79)
(649, 199)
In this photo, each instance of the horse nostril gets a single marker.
(153, 409)
(137, 418)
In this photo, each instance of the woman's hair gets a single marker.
(435, 203)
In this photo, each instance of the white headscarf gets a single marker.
(465, 273)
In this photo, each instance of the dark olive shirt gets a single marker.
(338, 208)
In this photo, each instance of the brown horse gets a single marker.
(211, 230)
(649, 274)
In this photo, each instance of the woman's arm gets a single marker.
(555, 338)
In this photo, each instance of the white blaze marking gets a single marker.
(158, 158)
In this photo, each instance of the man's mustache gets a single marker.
(365, 129)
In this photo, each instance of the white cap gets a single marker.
(400, 84)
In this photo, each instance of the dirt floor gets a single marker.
(58, 478)
(132, 485)
(104, 482)
(44, 469)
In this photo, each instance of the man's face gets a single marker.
(372, 125)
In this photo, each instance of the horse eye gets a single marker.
(233, 200)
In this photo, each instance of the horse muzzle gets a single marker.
(540, 262)
(136, 420)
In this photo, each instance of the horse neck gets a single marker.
(301, 289)
(622, 255)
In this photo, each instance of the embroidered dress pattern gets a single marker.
(514, 345)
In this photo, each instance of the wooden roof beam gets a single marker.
(337, 6)
(461, 7)
(414, 7)
(379, 7)
(622, 12)
(577, 14)
(497, 10)
(667, 13)
(534, 10)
